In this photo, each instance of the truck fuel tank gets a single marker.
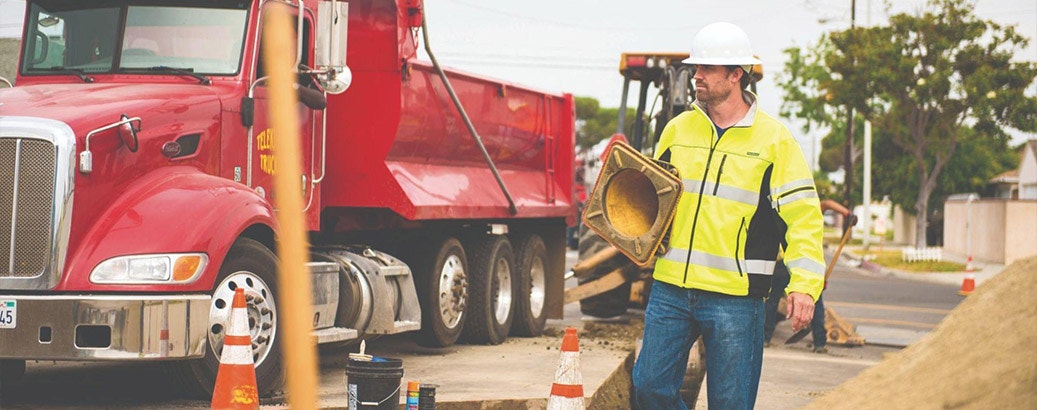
(375, 291)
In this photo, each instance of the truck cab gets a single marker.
(138, 195)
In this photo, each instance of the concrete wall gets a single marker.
(1021, 230)
(1002, 231)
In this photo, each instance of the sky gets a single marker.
(574, 46)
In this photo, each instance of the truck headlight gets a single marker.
(173, 268)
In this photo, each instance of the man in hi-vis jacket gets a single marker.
(747, 189)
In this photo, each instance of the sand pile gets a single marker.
(983, 356)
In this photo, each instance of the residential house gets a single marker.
(1028, 171)
(999, 229)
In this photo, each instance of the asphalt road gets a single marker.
(886, 309)
(879, 304)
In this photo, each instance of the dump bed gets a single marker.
(396, 141)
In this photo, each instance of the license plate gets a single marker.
(8, 314)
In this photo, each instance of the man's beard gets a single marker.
(712, 95)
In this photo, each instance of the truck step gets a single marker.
(334, 334)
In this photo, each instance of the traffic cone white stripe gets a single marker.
(234, 354)
(569, 369)
(238, 322)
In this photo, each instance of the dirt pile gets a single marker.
(613, 335)
(983, 356)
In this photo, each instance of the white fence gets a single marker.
(910, 254)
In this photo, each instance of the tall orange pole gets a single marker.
(300, 353)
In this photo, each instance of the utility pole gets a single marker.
(866, 218)
(848, 148)
(866, 221)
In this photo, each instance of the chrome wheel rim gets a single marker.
(260, 310)
(453, 291)
(537, 286)
(502, 290)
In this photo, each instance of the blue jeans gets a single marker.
(732, 329)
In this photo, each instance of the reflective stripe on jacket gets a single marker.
(745, 194)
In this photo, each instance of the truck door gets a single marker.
(311, 122)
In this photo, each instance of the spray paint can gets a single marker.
(412, 395)
(427, 397)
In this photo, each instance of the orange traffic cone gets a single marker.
(967, 285)
(236, 378)
(567, 390)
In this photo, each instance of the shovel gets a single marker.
(806, 330)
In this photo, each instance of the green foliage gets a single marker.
(594, 123)
(940, 87)
(970, 168)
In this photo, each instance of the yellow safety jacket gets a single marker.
(745, 194)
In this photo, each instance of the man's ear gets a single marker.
(738, 78)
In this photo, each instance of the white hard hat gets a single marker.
(721, 44)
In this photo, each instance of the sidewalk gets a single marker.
(983, 271)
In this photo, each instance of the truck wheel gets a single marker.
(492, 283)
(11, 371)
(445, 295)
(613, 302)
(531, 287)
(251, 266)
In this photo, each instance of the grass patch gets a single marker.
(892, 259)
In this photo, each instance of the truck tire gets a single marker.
(249, 265)
(11, 371)
(493, 281)
(444, 296)
(531, 286)
(613, 302)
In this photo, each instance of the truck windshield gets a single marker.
(202, 36)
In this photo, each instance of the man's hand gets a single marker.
(800, 310)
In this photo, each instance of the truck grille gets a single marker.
(27, 183)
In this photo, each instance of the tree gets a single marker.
(810, 95)
(932, 83)
(594, 123)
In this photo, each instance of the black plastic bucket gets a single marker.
(374, 384)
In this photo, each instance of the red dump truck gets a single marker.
(137, 187)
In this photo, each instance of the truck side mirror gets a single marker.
(330, 53)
